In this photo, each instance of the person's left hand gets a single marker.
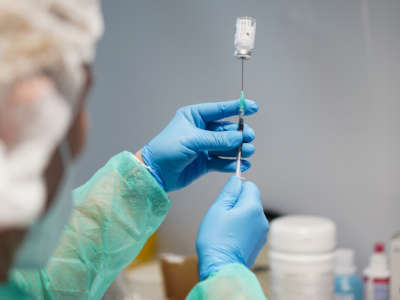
(194, 142)
(234, 230)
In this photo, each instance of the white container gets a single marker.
(302, 258)
(377, 275)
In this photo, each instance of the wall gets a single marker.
(326, 75)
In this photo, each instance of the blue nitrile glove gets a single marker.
(194, 142)
(234, 229)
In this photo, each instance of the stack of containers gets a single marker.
(302, 258)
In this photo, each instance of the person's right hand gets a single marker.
(234, 229)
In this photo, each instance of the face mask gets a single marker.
(30, 130)
(43, 237)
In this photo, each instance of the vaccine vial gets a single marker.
(245, 37)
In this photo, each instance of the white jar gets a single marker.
(302, 258)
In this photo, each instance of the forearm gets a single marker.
(115, 213)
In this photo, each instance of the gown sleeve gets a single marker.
(233, 282)
(115, 212)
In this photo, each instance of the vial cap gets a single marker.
(378, 263)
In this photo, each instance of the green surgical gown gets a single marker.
(116, 211)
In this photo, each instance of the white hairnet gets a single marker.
(46, 35)
(39, 37)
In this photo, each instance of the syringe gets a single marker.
(242, 109)
(244, 45)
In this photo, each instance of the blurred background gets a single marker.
(326, 75)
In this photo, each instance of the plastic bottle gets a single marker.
(348, 285)
(302, 258)
(377, 275)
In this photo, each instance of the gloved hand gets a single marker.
(234, 229)
(194, 142)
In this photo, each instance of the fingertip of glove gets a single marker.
(248, 150)
(250, 135)
(235, 138)
(251, 106)
(245, 165)
(251, 186)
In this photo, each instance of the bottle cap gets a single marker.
(345, 262)
(379, 248)
(302, 234)
(378, 262)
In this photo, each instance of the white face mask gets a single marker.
(30, 130)
(43, 237)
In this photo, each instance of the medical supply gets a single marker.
(244, 45)
(242, 108)
(395, 268)
(377, 275)
(245, 36)
(348, 285)
(302, 258)
(176, 160)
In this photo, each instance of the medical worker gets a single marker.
(58, 245)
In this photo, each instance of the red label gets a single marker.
(382, 280)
